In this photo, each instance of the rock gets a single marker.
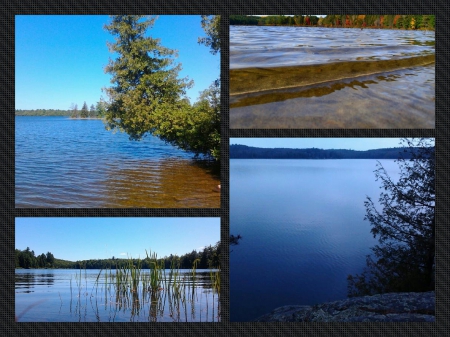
(391, 307)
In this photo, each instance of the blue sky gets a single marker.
(320, 143)
(60, 59)
(99, 238)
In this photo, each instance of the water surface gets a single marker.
(303, 229)
(68, 295)
(61, 162)
(331, 78)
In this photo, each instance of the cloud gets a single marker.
(122, 254)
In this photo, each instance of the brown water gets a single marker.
(293, 77)
(61, 162)
(387, 100)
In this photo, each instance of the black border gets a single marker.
(7, 325)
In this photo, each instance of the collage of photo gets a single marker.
(225, 168)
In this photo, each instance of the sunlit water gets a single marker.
(299, 77)
(58, 295)
(303, 230)
(62, 162)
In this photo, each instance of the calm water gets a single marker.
(77, 163)
(302, 227)
(45, 295)
(298, 77)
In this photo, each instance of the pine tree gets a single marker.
(146, 87)
(84, 111)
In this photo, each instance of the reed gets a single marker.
(134, 288)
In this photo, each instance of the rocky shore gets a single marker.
(391, 307)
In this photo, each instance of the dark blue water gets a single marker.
(61, 162)
(66, 295)
(303, 230)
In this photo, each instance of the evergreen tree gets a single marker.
(92, 111)
(84, 111)
(405, 257)
(144, 77)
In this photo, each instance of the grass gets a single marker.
(134, 287)
(155, 292)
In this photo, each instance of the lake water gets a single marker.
(303, 229)
(300, 77)
(61, 162)
(65, 295)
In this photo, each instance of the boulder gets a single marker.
(391, 307)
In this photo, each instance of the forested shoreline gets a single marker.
(427, 22)
(207, 258)
(249, 152)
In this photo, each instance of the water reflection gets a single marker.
(252, 46)
(25, 283)
(164, 183)
(399, 99)
(183, 296)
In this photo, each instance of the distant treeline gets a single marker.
(43, 112)
(97, 111)
(209, 257)
(248, 152)
(341, 21)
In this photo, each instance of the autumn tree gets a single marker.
(404, 260)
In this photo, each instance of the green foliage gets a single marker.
(84, 111)
(405, 257)
(147, 95)
(144, 77)
(246, 20)
(211, 26)
(207, 258)
(43, 112)
(243, 151)
(193, 128)
(100, 108)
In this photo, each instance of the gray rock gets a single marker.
(391, 307)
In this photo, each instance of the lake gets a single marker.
(302, 227)
(61, 162)
(68, 295)
(301, 77)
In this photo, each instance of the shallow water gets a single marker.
(66, 295)
(298, 77)
(61, 162)
(388, 100)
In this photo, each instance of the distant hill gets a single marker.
(249, 152)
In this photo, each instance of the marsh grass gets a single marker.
(149, 294)
(148, 291)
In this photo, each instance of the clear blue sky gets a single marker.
(99, 238)
(60, 59)
(320, 143)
